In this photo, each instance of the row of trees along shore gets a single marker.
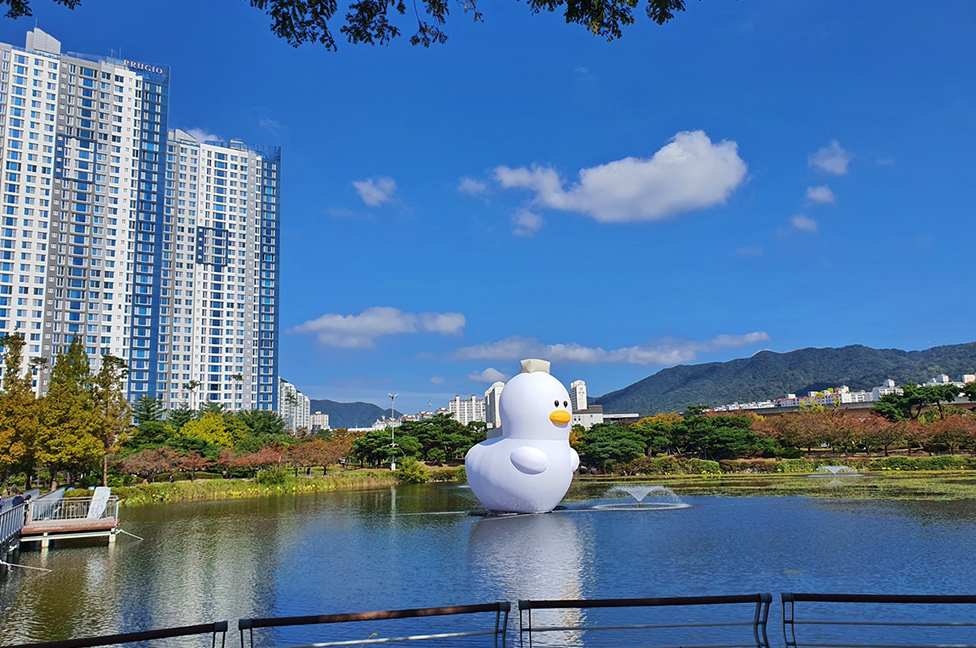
(920, 419)
(82, 432)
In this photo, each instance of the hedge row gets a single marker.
(667, 466)
(939, 462)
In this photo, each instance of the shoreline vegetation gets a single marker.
(895, 478)
(82, 434)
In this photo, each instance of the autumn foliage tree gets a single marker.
(113, 416)
(151, 462)
(18, 413)
(194, 462)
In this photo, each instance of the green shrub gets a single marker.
(208, 475)
(942, 462)
(731, 465)
(894, 463)
(443, 474)
(638, 466)
(794, 466)
(412, 471)
(666, 465)
(789, 453)
(273, 476)
(701, 466)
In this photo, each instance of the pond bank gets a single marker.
(915, 485)
(220, 489)
(888, 485)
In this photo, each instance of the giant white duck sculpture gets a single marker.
(529, 466)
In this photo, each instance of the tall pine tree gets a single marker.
(69, 424)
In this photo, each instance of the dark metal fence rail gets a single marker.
(218, 628)
(500, 609)
(848, 630)
(759, 616)
(849, 617)
(11, 522)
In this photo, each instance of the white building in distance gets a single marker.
(577, 394)
(493, 416)
(838, 396)
(293, 407)
(466, 411)
(319, 421)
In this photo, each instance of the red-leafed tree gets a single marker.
(194, 462)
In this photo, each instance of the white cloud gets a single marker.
(488, 376)
(272, 127)
(360, 331)
(820, 195)
(526, 224)
(201, 135)
(437, 380)
(443, 323)
(831, 159)
(375, 191)
(804, 223)
(688, 173)
(661, 352)
(472, 187)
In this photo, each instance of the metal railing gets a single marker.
(500, 610)
(876, 620)
(73, 508)
(217, 628)
(661, 625)
(11, 522)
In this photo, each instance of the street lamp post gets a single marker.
(392, 438)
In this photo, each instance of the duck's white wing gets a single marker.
(529, 460)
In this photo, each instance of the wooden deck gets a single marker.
(79, 525)
(68, 518)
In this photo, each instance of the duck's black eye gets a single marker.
(556, 403)
(565, 403)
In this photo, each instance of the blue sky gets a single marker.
(761, 174)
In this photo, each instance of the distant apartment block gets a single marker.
(577, 394)
(468, 410)
(136, 239)
(836, 396)
(318, 422)
(293, 407)
(493, 394)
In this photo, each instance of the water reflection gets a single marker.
(534, 557)
(416, 546)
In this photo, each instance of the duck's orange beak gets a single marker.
(560, 417)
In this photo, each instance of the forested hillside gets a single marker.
(769, 375)
(349, 415)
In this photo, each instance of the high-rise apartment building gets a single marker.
(466, 411)
(143, 242)
(577, 394)
(293, 406)
(493, 394)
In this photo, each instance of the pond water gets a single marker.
(417, 546)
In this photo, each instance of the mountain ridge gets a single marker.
(348, 415)
(769, 375)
